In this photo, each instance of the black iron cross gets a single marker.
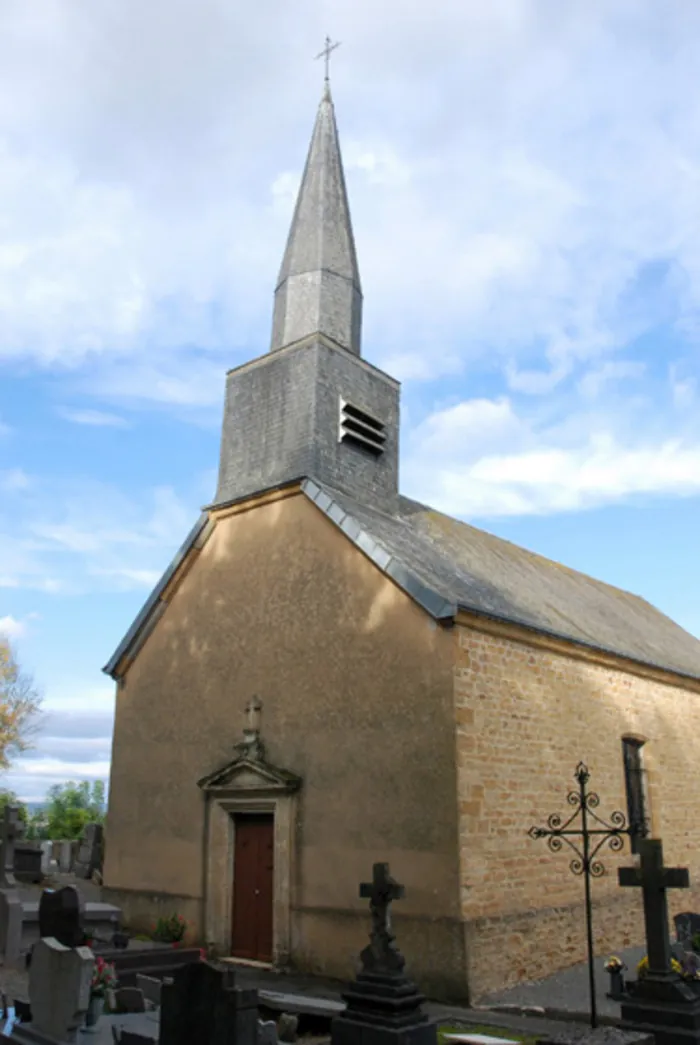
(326, 53)
(654, 879)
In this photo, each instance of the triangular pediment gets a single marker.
(245, 774)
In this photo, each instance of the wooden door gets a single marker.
(251, 930)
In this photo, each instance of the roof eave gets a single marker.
(580, 643)
(151, 602)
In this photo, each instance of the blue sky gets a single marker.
(524, 179)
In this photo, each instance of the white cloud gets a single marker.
(94, 418)
(483, 458)
(512, 176)
(12, 628)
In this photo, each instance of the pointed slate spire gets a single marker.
(318, 290)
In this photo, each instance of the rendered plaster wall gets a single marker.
(526, 717)
(356, 684)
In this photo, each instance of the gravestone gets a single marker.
(59, 989)
(267, 1032)
(203, 1006)
(150, 987)
(660, 1001)
(89, 854)
(11, 913)
(12, 831)
(61, 916)
(48, 864)
(383, 1006)
(687, 926)
(128, 999)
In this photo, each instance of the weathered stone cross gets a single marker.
(382, 954)
(654, 880)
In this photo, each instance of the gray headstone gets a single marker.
(267, 1032)
(12, 831)
(11, 916)
(59, 988)
(65, 856)
(48, 864)
(150, 987)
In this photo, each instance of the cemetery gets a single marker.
(89, 981)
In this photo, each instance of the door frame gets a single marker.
(220, 869)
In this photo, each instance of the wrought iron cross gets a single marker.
(654, 879)
(382, 953)
(593, 833)
(326, 53)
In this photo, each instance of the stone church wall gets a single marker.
(526, 715)
(356, 687)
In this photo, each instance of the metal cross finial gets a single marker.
(326, 53)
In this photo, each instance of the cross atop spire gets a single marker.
(326, 53)
(318, 289)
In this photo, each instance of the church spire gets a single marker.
(318, 290)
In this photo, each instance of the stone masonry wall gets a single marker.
(525, 717)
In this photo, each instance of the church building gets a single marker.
(330, 674)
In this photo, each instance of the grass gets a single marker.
(495, 1032)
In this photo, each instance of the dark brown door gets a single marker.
(251, 934)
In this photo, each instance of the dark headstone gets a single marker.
(202, 1006)
(28, 862)
(383, 1006)
(128, 999)
(61, 916)
(88, 857)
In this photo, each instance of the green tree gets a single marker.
(70, 806)
(20, 704)
(9, 798)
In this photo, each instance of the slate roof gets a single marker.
(446, 565)
(458, 566)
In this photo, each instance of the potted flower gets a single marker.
(615, 967)
(170, 930)
(104, 978)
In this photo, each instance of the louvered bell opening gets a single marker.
(360, 429)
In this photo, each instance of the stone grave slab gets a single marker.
(59, 989)
(479, 1039)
